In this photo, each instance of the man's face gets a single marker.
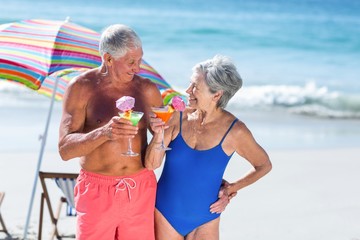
(127, 66)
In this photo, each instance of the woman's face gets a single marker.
(199, 93)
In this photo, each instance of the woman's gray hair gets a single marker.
(220, 74)
(117, 40)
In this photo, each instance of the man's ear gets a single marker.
(108, 60)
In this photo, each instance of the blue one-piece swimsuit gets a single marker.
(190, 183)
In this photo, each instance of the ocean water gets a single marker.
(299, 56)
(298, 59)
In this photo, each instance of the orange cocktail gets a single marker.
(164, 113)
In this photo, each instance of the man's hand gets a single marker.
(224, 198)
(118, 128)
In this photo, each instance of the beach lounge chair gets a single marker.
(66, 183)
(2, 223)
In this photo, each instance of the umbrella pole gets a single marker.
(43, 142)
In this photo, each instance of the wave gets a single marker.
(309, 99)
(14, 95)
(305, 100)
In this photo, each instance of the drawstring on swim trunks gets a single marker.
(125, 184)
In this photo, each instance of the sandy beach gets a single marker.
(310, 194)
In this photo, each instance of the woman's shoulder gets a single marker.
(239, 127)
(240, 133)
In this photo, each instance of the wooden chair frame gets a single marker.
(46, 198)
(2, 222)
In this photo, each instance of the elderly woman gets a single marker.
(203, 138)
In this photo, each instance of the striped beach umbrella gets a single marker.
(30, 50)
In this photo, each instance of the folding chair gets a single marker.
(66, 182)
(2, 223)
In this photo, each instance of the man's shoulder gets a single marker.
(149, 90)
(82, 85)
(145, 82)
(84, 78)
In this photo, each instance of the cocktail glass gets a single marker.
(164, 113)
(134, 117)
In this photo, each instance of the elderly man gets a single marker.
(114, 194)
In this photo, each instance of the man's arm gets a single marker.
(72, 141)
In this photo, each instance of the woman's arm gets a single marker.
(154, 156)
(247, 147)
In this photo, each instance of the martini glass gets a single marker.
(134, 117)
(164, 113)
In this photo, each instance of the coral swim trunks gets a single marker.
(110, 207)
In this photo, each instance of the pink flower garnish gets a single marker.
(125, 103)
(177, 103)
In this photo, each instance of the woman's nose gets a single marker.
(189, 89)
